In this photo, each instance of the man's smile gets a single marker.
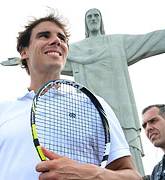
(53, 52)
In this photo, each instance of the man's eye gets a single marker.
(45, 36)
(62, 38)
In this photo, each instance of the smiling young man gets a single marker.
(46, 54)
(154, 125)
(43, 47)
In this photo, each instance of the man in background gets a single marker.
(153, 122)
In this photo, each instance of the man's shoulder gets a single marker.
(157, 169)
(4, 105)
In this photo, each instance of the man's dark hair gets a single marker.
(24, 36)
(147, 177)
(161, 108)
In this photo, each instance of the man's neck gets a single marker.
(39, 81)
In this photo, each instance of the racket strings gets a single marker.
(69, 124)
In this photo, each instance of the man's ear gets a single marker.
(24, 53)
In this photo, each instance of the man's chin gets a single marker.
(156, 143)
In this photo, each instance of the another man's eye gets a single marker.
(153, 120)
(144, 125)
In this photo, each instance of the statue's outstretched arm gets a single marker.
(13, 61)
(138, 47)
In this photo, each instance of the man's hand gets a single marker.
(62, 168)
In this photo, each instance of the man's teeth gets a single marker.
(53, 53)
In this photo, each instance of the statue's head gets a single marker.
(93, 21)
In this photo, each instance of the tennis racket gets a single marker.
(68, 119)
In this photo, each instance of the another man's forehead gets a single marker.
(150, 113)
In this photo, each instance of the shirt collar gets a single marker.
(26, 94)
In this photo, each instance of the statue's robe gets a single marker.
(101, 64)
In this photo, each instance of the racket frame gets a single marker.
(94, 100)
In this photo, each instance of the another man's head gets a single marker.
(153, 122)
(42, 38)
(93, 23)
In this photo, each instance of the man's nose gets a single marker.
(148, 128)
(55, 40)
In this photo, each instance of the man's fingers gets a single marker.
(48, 165)
(49, 154)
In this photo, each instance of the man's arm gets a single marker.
(60, 167)
(123, 168)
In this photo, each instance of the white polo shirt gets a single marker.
(18, 156)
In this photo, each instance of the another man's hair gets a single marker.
(24, 36)
(161, 108)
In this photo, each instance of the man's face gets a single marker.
(93, 20)
(47, 49)
(154, 126)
